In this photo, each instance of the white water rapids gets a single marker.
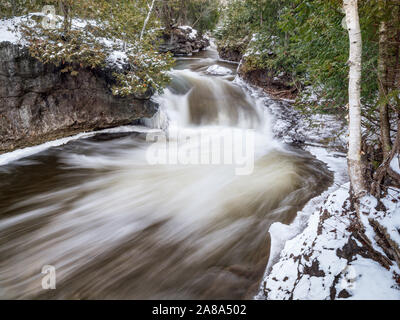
(115, 226)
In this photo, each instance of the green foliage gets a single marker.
(318, 41)
(253, 27)
(236, 25)
(202, 15)
(148, 70)
(82, 49)
(305, 39)
(88, 32)
(12, 8)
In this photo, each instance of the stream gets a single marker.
(115, 226)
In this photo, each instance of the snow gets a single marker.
(291, 251)
(391, 222)
(372, 282)
(117, 59)
(280, 233)
(6, 34)
(303, 287)
(289, 123)
(218, 70)
(317, 247)
(193, 32)
(394, 164)
(9, 27)
(9, 31)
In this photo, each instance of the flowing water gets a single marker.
(115, 226)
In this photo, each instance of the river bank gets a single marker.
(318, 256)
(40, 102)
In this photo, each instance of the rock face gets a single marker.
(183, 41)
(278, 85)
(230, 54)
(232, 50)
(39, 103)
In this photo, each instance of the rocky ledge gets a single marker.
(183, 41)
(39, 103)
(277, 85)
(232, 51)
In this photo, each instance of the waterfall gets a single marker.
(114, 225)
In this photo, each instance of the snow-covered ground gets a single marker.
(9, 29)
(318, 255)
(394, 164)
(326, 261)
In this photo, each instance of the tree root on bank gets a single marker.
(384, 240)
(373, 254)
(283, 94)
(385, 170)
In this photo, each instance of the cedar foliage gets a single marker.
(307, 40)
(202, 15)
(85, 33)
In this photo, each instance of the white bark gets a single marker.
(147, 19)
(354, 152)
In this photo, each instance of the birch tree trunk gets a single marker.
(147, 19)
(383, 89)
(354, 152)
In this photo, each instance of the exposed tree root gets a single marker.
(384, 240)
(373, 254)
(385, 170)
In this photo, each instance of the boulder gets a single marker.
(276, 84)
(230, 54)
(183, 41)
(232, 50)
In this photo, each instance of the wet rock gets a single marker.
(183, 41)
(39, 103)
(230, 54)
(232, 50)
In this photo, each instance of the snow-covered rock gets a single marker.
(192, 32)
(218, 70)
(183, 41)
